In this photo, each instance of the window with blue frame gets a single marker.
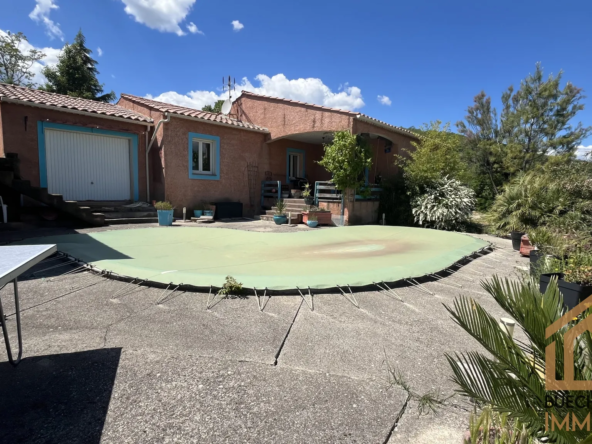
(204, 156)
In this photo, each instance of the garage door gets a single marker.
(82, 166)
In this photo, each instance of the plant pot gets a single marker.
(323, 217)
(573, 293)
(516, 239)
(285, 194)
(165, 218)
(312, 223)
(535, 256)
(525, 246)
(208, 212)
(197, 213)
(280, 220)
(546, 278)
(309, 200)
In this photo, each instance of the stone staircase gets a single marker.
(294, 206)
(10, 177)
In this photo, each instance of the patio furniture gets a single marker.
(14, 261)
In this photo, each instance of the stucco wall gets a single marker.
(237, 148)
(278, 152)
(23, 140)
(282, 118)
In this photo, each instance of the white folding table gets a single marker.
(14, 261)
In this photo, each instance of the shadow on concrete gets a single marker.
(60, 398)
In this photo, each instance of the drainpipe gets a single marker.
(148, 148)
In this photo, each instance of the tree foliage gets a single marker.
(436, 155)
(15, 63)
(76, 73)
(347, 158)
(217, 108)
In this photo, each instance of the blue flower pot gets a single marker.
(197, 213)
(312, 223)
(280, 220)
(165, 218)
(208, 212)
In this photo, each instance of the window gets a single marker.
(295, 164)
(294, 169)
(204, 157)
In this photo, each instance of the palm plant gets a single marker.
(280, 208)
(512, 381)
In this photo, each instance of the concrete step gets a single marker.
(132, 220)
(294, 201)
(127, 214)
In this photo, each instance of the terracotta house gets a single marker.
(144, 150)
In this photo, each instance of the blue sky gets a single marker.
(428, 58)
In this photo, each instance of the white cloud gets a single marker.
(310, 90)
(41, 14)
(584, 152)
(193, 29)
(384, 100)
(50, 59)
(162, 15)
(100, 52)
(237, 26)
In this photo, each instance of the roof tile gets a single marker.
(192, 112)
(34, 96)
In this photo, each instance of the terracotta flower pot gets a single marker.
(525, 246)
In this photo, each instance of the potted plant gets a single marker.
(516, 236)
(576, 282)
(198, 211)
(165, 213)
(312, 221)
(280, 217)
(308, 199)
(207, 210)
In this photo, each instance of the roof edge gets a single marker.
(75, 111)
(261, 130)
(388, 126)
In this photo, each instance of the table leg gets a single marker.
(18, 327)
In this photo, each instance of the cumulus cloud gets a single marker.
(584, 152)
(41, 13)
(99, 51)
(162, 15)
(384, 100)
(50, 59)
(237, 26)
(310, 90)
(193, 29)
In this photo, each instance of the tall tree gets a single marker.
(15, 63)
(76, 73)
(217, 108)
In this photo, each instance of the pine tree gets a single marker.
(76, 73)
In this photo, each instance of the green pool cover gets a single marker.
(355, 256)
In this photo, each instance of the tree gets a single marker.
(15, 63)
(436, 155)
(347, 158)
(217, 108)
(76, 73)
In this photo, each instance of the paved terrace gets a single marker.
(111, 364)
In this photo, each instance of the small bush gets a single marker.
(280, 208)
(447, 205)
(231, 287)
(164, 206)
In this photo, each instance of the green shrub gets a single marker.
(447, 205)
(280, 208)
(231, 287)
(163, 206)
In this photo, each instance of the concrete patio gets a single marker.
(110, 364)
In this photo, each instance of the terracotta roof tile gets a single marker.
(192, 112)
(38, 97)
(360, 116)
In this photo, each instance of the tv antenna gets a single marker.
(230, 87)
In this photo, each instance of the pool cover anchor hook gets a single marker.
(161, 299)
(440, 278)
(419, 286)
(311, 305)
(124, 287)
(351, 299)
(261, 306)
(210, 303)
(389, 290)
